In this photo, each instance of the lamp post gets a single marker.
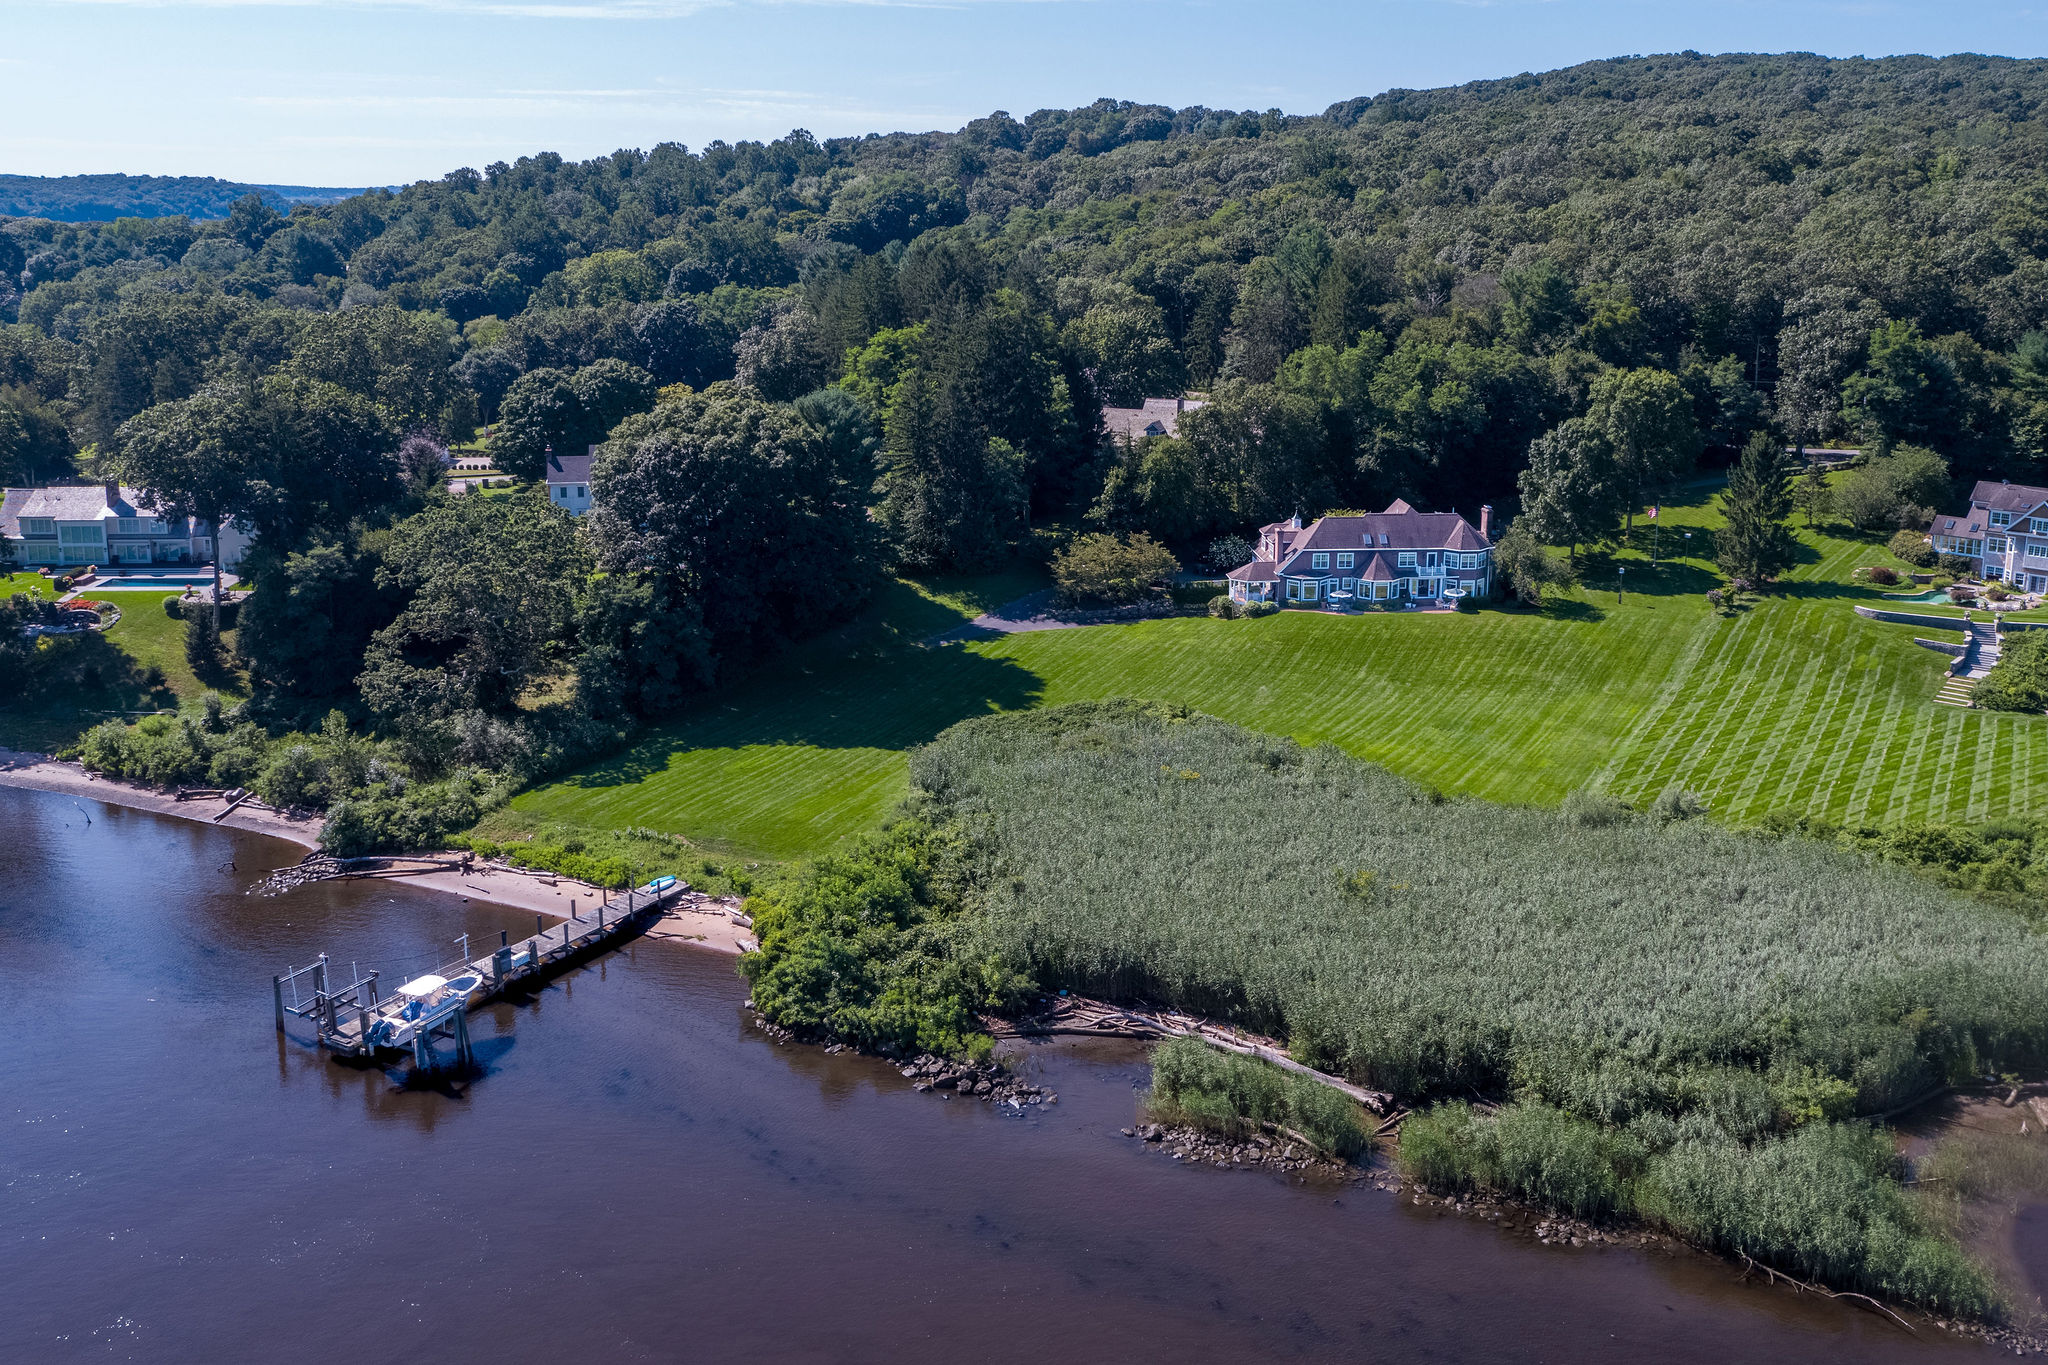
(1622, 571)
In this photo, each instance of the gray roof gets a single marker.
(569, 468)
(1155, 417)
(2007, 497)
(93, 502)
(1258, 571)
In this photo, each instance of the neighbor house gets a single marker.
(2004, 535)
(1153, 417)
(1392, 556)
(104, 524)
(569, 481)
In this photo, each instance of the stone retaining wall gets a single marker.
(1913, 618)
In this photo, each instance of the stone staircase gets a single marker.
(1980, 652)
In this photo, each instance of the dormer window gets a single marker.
(2001, 518)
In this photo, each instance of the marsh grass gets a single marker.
(1613, 966)
(1238, 1096)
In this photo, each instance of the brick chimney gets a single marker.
(1485, 519)
(113, 493)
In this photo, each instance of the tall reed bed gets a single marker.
(1609, 963)
(1684, 1017)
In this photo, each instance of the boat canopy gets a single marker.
(423, 985)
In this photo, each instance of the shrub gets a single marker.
(1236, 1095)
(171, 606)
(1913, 547)
(2019, 680)
(1958, 593)
(1997, 593)
(1222, 606)
(1468, 603)
(1260, 608)
(1880, 574)
(857, 946)
(1941, 582)
(1111, 569)
(1956, 566)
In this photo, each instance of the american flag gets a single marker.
(1653, 514)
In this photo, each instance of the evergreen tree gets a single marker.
(1755, 544)
(951, 496)
(1812, 496)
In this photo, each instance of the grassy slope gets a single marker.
(143, 636)
(1794, 702)
(34, 584)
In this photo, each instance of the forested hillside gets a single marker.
(102, 198)
(810, 362)
(1398, 295)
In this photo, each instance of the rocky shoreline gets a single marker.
(992, 1083)
(1277, 1152)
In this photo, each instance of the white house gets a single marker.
(569, 481)
(105, 524)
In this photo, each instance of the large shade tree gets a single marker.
(284, 457)
(738, 517)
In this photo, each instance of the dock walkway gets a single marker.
(355, 1020)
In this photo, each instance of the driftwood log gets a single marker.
(1083, 1017)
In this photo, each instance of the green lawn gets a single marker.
(1792, 702)
(34, 584)
(108, 675)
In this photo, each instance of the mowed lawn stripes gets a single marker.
(1793, 703)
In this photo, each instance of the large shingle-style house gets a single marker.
(2004, 534)
(1154, 417)
(569, 481)
(1396, 555)
(104, 524)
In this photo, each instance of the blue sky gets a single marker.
(350, 92)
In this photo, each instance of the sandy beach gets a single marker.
(700, 920)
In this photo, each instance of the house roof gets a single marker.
(2007, 497)
(569, 468)
(1154, 417)
(1398, 528)
(1971, 523)
(1258, 571)
(1378, 569)
(93, 502)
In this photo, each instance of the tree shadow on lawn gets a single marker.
(78, 682)
(896, 701)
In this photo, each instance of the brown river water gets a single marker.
(640, 1175)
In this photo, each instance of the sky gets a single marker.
(361, 92)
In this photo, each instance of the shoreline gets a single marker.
(544, 893)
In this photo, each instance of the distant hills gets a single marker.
(102, 198)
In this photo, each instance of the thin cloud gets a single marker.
(549, 9)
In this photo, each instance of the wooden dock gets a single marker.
(360, 1020)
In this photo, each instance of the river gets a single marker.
(639, 1175)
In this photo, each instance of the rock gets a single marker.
(909, 1071)
(1127, 1132)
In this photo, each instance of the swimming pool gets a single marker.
(143, 580)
